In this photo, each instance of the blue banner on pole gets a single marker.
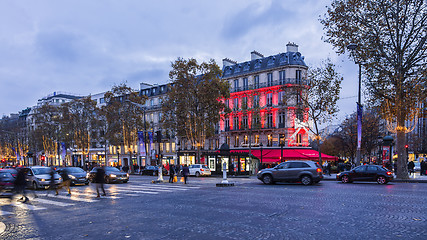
(141, 144)
(64, 151)
(359, 125)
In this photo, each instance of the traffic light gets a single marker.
(157, 156)
(43, 158)
(406, 146)
(159, 136)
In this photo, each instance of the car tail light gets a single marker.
(319, 170)
(389, 173)
(202, 169)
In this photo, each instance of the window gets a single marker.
(298, 165)
(227, 124)
(245, 84)
(269, 99)
(151, 102)
(282, 77)
(269, 120)
(256, 101)
(257, 139)
(227, 139)
(236, 104)
(101, 100)
(269, 79)
(298, 76)
(282, 119)
(299, 138)
(283, 165)
(360, 169)
(235, 123)
(256, 81)
(281, 139)
(245, 122)
(160, 116)
(236, 84)
(244, 102)
(282, 99)
(236, 141)
(246, 139)
(256, 121)
(269, 140)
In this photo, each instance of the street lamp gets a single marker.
(352, 47)
(281, 150)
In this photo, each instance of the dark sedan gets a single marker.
(112, 174)
(153, 171)
(12, 171)
(6, 180)
(76, 175)
(366, 173)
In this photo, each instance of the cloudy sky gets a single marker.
(85, 47)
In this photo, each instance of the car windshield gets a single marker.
(39, 171)
(204, 166)
(112, 169)
(5, 175)
(74, 170)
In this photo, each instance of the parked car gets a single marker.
(376, 173)
(39, 177)
(153, 171)
(199, 170)
(6, 180)
(12, 171)
(112, 174)
(76, 175)
(306, 172)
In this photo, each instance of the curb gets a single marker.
(394, 180)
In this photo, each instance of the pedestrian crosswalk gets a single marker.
(87, 194)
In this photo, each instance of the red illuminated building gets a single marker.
(265, 101)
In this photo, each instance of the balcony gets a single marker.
(292, 81)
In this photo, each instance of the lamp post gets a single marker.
(352, 47)
(145, 126)
(281, 150)
(260, 145)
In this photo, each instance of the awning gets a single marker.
(273, 155)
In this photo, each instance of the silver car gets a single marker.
(306, 172)
(39, 177)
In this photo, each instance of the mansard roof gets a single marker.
(274, 61)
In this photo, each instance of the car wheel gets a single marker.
(345, 179)
(306, 180)
(197, 174)
(107, 180)
(86, 183)
(381, 180)
(35, 186)
(267, 179)
(125, 181)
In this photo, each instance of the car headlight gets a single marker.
(127, 174)
(338, 174)
(113, 175)
(42, 179)
(71, 176)
(60, 179)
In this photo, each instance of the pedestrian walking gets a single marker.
(19, 185)
(171, 173)
(66, 182)
(52, 185)
(422, 168)
(411, 166)
(328, 168)
(185, 173)
(99, 181)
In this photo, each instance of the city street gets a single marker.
(200, 210)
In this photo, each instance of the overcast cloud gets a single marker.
(85, 47)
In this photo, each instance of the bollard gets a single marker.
(224, 182)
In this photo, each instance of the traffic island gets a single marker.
(225, 184)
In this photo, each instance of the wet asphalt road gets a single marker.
(200, 210)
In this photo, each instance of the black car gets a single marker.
(112, 174)
(76, 175)
(12, 171)
(376, 173)
(153, 171)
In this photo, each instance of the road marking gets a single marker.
(46, 201)
(2, 213)
(159, 187)
(142, 189)
(93, 194)
(171, 186)
(132, 191)
(27, 206)
(74, 198)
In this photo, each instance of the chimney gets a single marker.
(228, 62)
(256, 55)
(291, 47)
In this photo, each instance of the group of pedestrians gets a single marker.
(175, 170)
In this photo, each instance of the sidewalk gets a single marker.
(413, 178)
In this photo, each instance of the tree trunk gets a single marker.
(402, 167)
(320, 153)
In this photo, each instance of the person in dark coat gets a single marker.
(423, 167)
(171, 173)
(20, 183)
(66, 182)
(411, 166)
(99, 181)
(185, 173)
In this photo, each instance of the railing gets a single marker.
(273, 83)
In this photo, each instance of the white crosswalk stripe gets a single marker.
(87, 195)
